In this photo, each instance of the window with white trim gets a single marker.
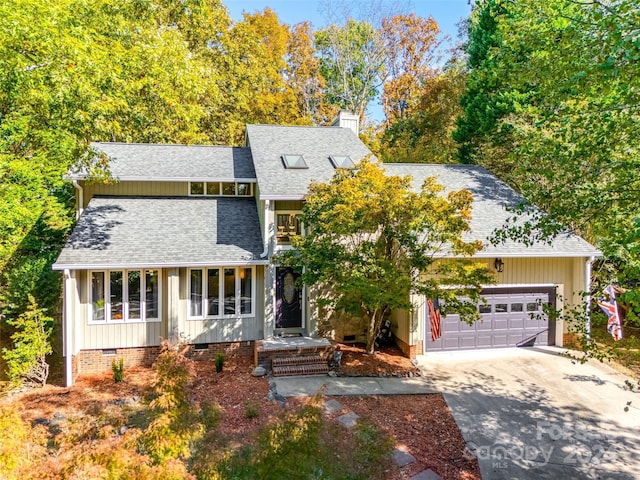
(218, 292)
(225, 189)
(124, 295)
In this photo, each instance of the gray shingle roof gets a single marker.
(158, 231)
(269, 142)
(143, 161)
(491, 197)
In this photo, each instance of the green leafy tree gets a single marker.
(72, 72)
(374, 242)
(352, 59)
(486, 99)
(557, 84)
(26, 361)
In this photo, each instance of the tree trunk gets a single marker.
(375, 320)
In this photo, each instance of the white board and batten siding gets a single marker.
(218, 330)
(94, 336)
(145, 189)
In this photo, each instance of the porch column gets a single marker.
(67, 329)
(173, 302)
(269, 300)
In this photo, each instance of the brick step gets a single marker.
(304, 369)
(301, 360)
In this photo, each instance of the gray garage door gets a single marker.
(508, 318)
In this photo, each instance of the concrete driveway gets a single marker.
(531, 414)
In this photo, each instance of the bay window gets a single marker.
(221, 292)
(124, 295)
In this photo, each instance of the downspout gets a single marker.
(66, 330)
(587, 289)
(80, 208)
(267, 205)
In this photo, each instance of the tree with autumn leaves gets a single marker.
(373, 242)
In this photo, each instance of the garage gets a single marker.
(509, 317)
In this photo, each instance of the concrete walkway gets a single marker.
(306, 386)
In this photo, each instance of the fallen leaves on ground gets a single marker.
(422, 424)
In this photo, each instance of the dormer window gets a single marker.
(341, 161)
(294, 161)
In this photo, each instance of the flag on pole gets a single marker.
(434, 319)
(614, 326)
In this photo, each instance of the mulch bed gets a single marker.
(421, 423)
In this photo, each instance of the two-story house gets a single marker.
(182, 243)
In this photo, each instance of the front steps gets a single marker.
(288, 356)
(299, 365)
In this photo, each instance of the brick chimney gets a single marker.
(347, 120)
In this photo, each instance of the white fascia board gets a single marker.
(131, 266)
(282, 197)
(573, 254)
(168, 179)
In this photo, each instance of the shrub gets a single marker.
(251, 409)
(219, 361)
(286, 448)
(117, 458)
(211, 415)
(175, 425)
(26, 361)
(20, 445)
(118, 370)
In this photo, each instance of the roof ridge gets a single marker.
(413, 164)
(322, 127)
(167, 145)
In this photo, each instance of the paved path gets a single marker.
(296, 386)
(531, 414)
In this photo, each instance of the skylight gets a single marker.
(294, 161)
(342, 161)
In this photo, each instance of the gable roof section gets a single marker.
(128, 232)
(160, 162)
(316, 144)
(491, 198)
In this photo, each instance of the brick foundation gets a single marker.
(410, 351)
(96, 361)
(231, 349)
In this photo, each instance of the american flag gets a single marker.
(434, 319)
(614, 327)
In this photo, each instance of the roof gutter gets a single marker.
(80, 207)
(67, 330)
(267, 207)
(125, 266)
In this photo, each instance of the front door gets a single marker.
(288, 299)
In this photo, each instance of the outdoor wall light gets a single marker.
(499, 264)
